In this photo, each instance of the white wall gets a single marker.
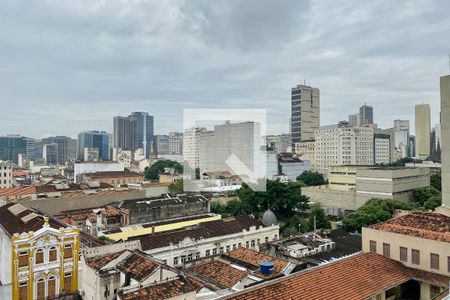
(5, 258)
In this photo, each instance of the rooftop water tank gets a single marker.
(266, 267)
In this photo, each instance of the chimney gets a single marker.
(445, 136)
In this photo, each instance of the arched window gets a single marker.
(40, 289)
(52, 254)
(39, 256)
(51, 287)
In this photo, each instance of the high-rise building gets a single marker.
(161, 145)
(72, 150)
(11, 146)
(382, 148)
(353, 120)
(227, 140)
(93, 140)
(51, 154)
(144, 131)
(125, 133)
(365, 115)
(344, 146)
(445, 137)
(305, 113)
(176, 143)
(62, 147)
(412, 146)
(401, 137)
(31, 148)
(423, 130)
(191, 146)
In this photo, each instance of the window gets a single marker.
(39, 256)
(52, 254)
(387, 250)
(258, 241)
(214, 251)
(434, 261)
(68, 281)
(40, 293)
(253, 244)
(207, 252)
(239, 245)
(175, 261)
(67, 251)
(189, 257)
(448, 264)
(373, 246)
(228, 248)
(246, 244)
(23, 259)
(183, 258)
(415, 257)
(23, 291)
(51, 292)
(197, 255)
(267, 239)
(403, 254)
(234, 246)
(221, 250)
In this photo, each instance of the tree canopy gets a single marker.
(152, 173)
(310, 178)
(372, 212)
(176, 187)
(436, 181)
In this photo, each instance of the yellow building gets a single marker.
(38, 256)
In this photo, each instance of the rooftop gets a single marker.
(99, 262)
(139, 265)
(357, 277)
(165, 290)
(162, 201)
(115, 174)
(425, 225)
(218, 273)
(206, 230)
(252, 258)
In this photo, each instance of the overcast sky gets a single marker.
(69, 66)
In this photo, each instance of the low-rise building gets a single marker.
(207, 239)
(114, 178)
(148, 210)
(82, 167)
(350, 187)
(111, 269)
(292, 166)
(362, 276)
(307, 150)
(419, 240)
(6, 174)
(38, 255)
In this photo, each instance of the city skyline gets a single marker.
(133, 65)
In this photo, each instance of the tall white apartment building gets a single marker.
(191, 146)
(344, 146)
(238, 139)
(382, 151)
(6, 168)
(401, 137)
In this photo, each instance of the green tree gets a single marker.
(152, 173)
(310, 178)
(433, 202)
(176, 187)
(402, 161)
(322, 220)
(423, 194)
(436, 181)
(372, 212)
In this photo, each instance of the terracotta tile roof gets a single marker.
(99, 262)
(420, 224)
(21, 191)
(206, 230)
(139, 265)
(251, 258)
(111, 212)
(358, 277)
(218, 273)
(165, 290)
